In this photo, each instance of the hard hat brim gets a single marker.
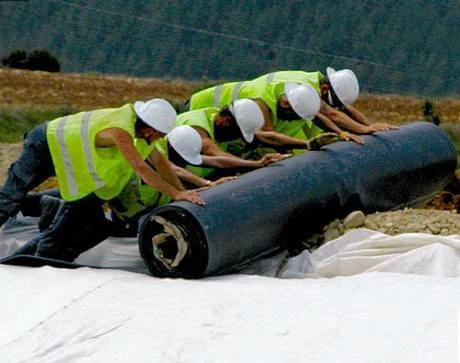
(197, 160)
(291, 87)
(330, 71)
(142, 112)
(248, 137)
(342, 100)
(288, 89)
(138, 106)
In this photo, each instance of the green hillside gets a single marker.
(405, 46)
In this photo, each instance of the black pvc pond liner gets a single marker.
(260, 212)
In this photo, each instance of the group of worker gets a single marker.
(142, 155)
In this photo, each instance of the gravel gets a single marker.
(437, 222)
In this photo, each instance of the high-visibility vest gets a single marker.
(137, 196)
(224, 94)
(203, 118)
(218, 96)
(311, 78)
(310, 129)
(270, 94)
(81, 167)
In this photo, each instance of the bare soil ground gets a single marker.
(85, 91)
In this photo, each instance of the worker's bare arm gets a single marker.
(163, 167)
(358, 116)
(278, 139)
(327, 123)
(222, 161)
(266, 112)
(124, 142)
(184, 174)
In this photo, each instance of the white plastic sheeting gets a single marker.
(91, 315)
(363, 250)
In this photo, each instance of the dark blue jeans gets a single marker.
(76, 227)
(32, 168)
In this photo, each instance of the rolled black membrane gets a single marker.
(260, 212)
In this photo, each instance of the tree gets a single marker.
(16, 59)
(37, 60)
(42, 60)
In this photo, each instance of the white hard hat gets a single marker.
(248, 116)
(303, 99)
(186, 141)
(157, 113)
(344, 83)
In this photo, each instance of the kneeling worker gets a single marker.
(93, 155)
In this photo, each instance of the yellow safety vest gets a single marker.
(270, 94)
(218, 96)
(81, 167)
(312, 78)
(310, 129)
(224, 94)
(203, 118)
(137, 196)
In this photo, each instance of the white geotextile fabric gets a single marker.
(360, 250)
(363, 250)
(92, 316)
(89, 315)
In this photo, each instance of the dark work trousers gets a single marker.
(68, 228)
(76, 227)
(65, 236)
(32, 168)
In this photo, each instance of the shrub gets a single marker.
(16, 59)
(37, 60)
(430, 112)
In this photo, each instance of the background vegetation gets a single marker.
(395, 46)
(37, 60)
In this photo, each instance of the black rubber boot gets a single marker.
(49, 206)
(28, 249)
(3, 219)
(62, 239)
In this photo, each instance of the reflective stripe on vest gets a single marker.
(236, 90)
(270, 77)
(69, 170)
(82, 167)
(217, 95)
(87, 150)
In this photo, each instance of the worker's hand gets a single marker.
(222, 180)
(321, 140)
(286, 155)
(346, 136)
(189, 195)
(216, 182)
(271, 158)
(383, 126)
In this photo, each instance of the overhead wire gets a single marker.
(223, 35)
(175, 31)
